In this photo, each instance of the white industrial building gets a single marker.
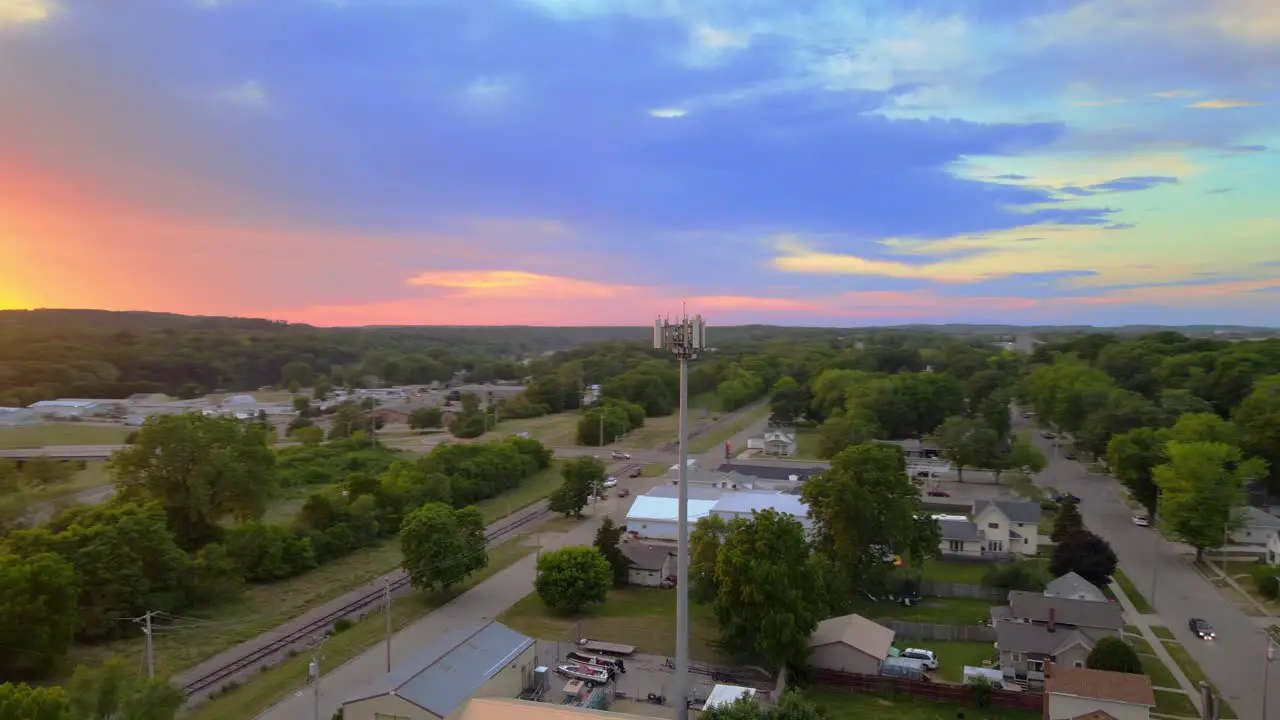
(19, 417)
(655, 516)
(68, 408)
(741, 505)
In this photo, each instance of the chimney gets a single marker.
(1053, 616)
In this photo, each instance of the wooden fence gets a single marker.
(932, 691)
(940, 633)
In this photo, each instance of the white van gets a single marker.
(927, 657)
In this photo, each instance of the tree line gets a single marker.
(185, 529)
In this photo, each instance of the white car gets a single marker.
(1142, 521)
(928, 657)
(619, 455)
(611, 482)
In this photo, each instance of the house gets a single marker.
(742, 505)
(960, 537)
(1273, 549)
(657, 518)
(1095, 619)
(779, 442)
(1026, 649)
(1035, 629)
(1254, 527)
(1072, 693)
(850, 644)
(487, 660)
(781, 472)
(651, 566)
(1011, 526)
(1074, 587)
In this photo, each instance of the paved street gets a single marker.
(1235, 661)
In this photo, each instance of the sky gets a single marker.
(603, 162)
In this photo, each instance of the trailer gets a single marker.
(605, 648)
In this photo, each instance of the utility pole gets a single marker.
(684, 339)
(145, 620)
(601, 427)
(387, 611)
(1267, 658)
(314, 671)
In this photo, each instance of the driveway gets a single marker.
(1235, 661)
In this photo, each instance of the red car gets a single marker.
(938, 493)
(625, 492)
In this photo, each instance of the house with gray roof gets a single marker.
(486, 660)
(995, 529)
(1254, 526)
(1074, 587)
(650, 565)
(1026, 649)
(1094, 619)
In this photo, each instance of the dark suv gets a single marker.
(1201, 629)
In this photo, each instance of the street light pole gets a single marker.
(684, 339)
(1267, 658)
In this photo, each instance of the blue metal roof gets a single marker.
(450, 670)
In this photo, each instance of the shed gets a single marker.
(487, 660)
(656, 518)
(650, 565)
(851, 644)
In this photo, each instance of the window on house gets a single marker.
(1015, 657)
(1079, 664)
(993, 526)
(957, 545)
(1035, 665)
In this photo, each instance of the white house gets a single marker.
(998, 527)
(651, 565)
(1080, 692)
(779, 442)
(1256, 527)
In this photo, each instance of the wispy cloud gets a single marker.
(1224, 104)
(1175, 94)
(668, 113)
(246, 94)
(1099, 103)
(21, 12)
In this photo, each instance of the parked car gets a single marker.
(611, 482)
(624, 492)
(1047, 435)
(938, 493)
(1201, 629)
(1067, 497)
(927, 657)
(1142, 521)
(1070, 456)
(619, 455)
(635, 473)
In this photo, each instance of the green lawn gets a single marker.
(532, 490)
(953, 571)
(942, 611)
(954, 655)
(1192, 670)
(644, 617)
(709, 401)
(1162, 632)
(1176, 704)
(556, 430)
(721, 434)
(1131, 591)
(51, 434)
(1138, 643)
(861, 706)
(273, 684)
(656, 469)
(1152, 667)
(807, 440)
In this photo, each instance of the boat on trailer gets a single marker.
(587, 673)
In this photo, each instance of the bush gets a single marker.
(1114, 654)
(1016, 575)
(1267, 580)
(342, 625)
(982, 690)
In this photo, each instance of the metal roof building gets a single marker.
(444, 675)
(742, 505)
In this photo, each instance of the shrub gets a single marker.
(1267, 580)
(1016, 575)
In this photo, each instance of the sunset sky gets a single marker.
(592, 162)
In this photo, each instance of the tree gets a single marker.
(997, 411)
(425, 417)
(1133, 457)
(1021, 456)
(1258, 418)
(704, 547)
(866, 511)
(1067, 521)
(115, 691)
(572, 578)
(1204, 427)
(308, 436)
(1124, 411)
(42, 472)
(322, 389)
(967, 442)
(768, 601)
(39, 613)
(1085, 554)
(1115, 655)
(608, 537)
(788, 401)
(1201, 486)
(846, 430)
(19, 701)
(791, 706)
(442, 546)
(582, 476)
(201, 469)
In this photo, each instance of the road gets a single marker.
(1235, 661)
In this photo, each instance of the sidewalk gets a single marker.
(480, 604)
(1143, 623)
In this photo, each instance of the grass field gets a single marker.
(1131, 591)
(263, 607)
(943, 611)
(657, 431)
(656, 469)
(274, 684)
(859, 706)
(1152, 667)
(718, 436)
(1192, 670)
(1176, 704)
(967, 573)
(644, 617)
(807, 440)
(954, 655)
(1162, 632)
(557, 430)
(56, 434)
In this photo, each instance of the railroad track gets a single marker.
(374, 597)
